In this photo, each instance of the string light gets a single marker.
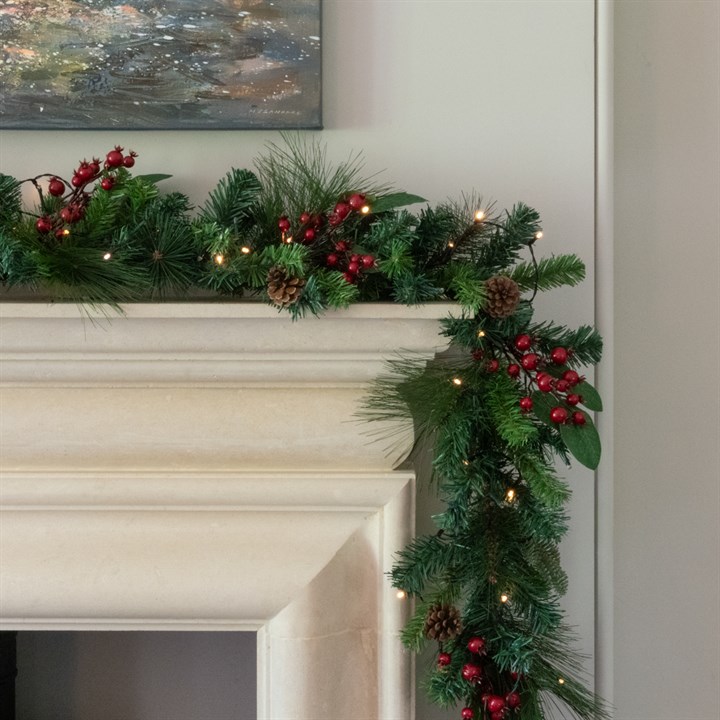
(457, 381)
(107, 256)
(510, 495)
(561, 681)
(451, 244)
(287, 240)
(538, 235)
(504, 598)
(401, 594)
(245, 250)
(219, 259)
(481, 333)
(65, 232)
(365, 209)
(479, 216)
(466, 462)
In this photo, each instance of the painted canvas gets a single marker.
(160, 64)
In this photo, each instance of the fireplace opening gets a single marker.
(136, 675)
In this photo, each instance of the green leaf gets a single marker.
(153, 178)
(395, 200)
(590, 397)
(543, 403)
(583, 442)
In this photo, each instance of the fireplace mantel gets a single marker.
(198, 466)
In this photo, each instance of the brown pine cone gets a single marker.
(503, 296)
(443, 622)
(283, 289)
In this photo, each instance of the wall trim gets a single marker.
(604, 321)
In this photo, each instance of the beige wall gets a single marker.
(447, 95)
(667, 368)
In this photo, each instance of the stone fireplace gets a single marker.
(198, 467)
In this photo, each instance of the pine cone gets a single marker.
(443, 623)
(503, 296)
(283, 289)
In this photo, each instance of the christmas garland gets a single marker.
(500, 410)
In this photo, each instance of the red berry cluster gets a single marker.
(560, 384)
(561, 387)
(308, 230)
(76, 201)
(496, 706)
(350, 264)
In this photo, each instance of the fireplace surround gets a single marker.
(198, 466)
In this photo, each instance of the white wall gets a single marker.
(667, 368)
(446, 95)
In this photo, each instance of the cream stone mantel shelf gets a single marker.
(199, 466)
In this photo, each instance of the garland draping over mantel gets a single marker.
(500, 411)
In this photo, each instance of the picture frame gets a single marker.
(161, 64)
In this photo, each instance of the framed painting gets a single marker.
(160, 64)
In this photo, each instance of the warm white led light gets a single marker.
(510, 495)
(457, 381)
(365, 209)
(219, 259)
(538, 235)
(481, 333)
(401, 594)
(504, 598)
(245, 250)
(479, 216)
(107, 256)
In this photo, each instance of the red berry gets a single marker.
(499, 715)
(444, 659)
(349, 277)
(309, 235)
(355, 258)
(44, 224)
(368, 261)
(523, 342)
(467, 713)
(128, 161)
(513, 370)
(493, 365)
(284, 224)
(478, 354)
(343, 210)
(545, 382)
(495, 703)
(513, 699)
(471, 672)
(60, 233)
(562, 386)
(107, 183)
(56, 187)
(559, 355)
(572, 399)
(305, 217)
(571, 376)
(353, 268)
(526, 404)
(334, 219)
(67, 214)
(85, 171)
(342, 246)
(76, 181)
(476, 645)
(356, 201)
(332, 260)
(559, 415)
(114, 158)
(578, 418)
(529, 361)
(515, 675)
(95, 165)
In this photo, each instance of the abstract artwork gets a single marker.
(160, 64)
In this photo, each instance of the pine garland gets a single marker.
(501, 411)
